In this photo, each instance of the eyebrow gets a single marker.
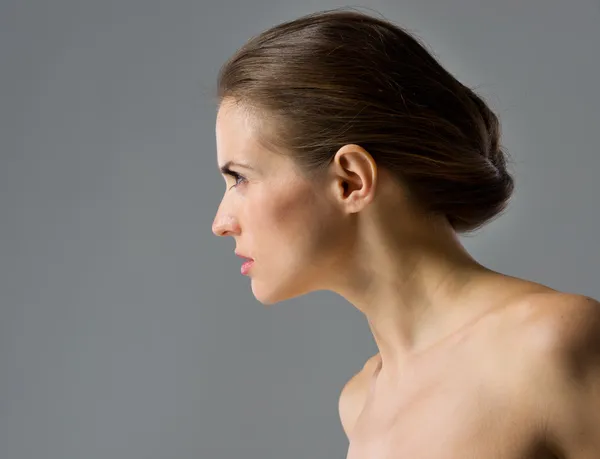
(225, 168)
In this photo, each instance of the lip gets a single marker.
(243, 256)
(245, 268)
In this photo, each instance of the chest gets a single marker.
(457, 415)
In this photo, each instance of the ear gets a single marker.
(355, 177)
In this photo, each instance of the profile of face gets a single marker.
(285, 222)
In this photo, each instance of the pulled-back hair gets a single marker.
(342, 77)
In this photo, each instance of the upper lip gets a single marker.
(242, 256)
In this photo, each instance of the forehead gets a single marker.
(233, 130)
(238, 140)
(236, 137)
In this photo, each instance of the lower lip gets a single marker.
(246, 266)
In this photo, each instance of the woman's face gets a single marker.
(284, 222)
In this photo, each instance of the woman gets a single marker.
(352, 161)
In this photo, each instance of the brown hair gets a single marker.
(343, 77)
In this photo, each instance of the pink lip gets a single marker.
(246, 267)
(243, 256)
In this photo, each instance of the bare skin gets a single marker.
(471, 395)
(451, 404)
(474, 363)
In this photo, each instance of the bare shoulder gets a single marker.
(557, 321)
(556, 370)
(354, 393)
(543, 335)
(535, 329)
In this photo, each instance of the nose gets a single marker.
(224, 225)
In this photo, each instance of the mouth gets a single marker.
(244, 257)
(245, 269)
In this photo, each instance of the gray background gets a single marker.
(126, 329)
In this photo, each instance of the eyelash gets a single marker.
(236, 176)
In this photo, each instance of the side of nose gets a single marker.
(224, 224)
(220, 229)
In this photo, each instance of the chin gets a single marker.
(270, 292)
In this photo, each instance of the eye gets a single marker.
(237, 177)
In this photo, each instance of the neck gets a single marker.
(415, 289)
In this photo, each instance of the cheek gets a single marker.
(290, 223)
(303, 224)
(280, 220)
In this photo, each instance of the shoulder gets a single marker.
(559, 324)
(541, 336)
(563, 367)
(354, 393)
(550, 330)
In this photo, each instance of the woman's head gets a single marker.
(341, 77)
(336, 104)
(276, 215)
